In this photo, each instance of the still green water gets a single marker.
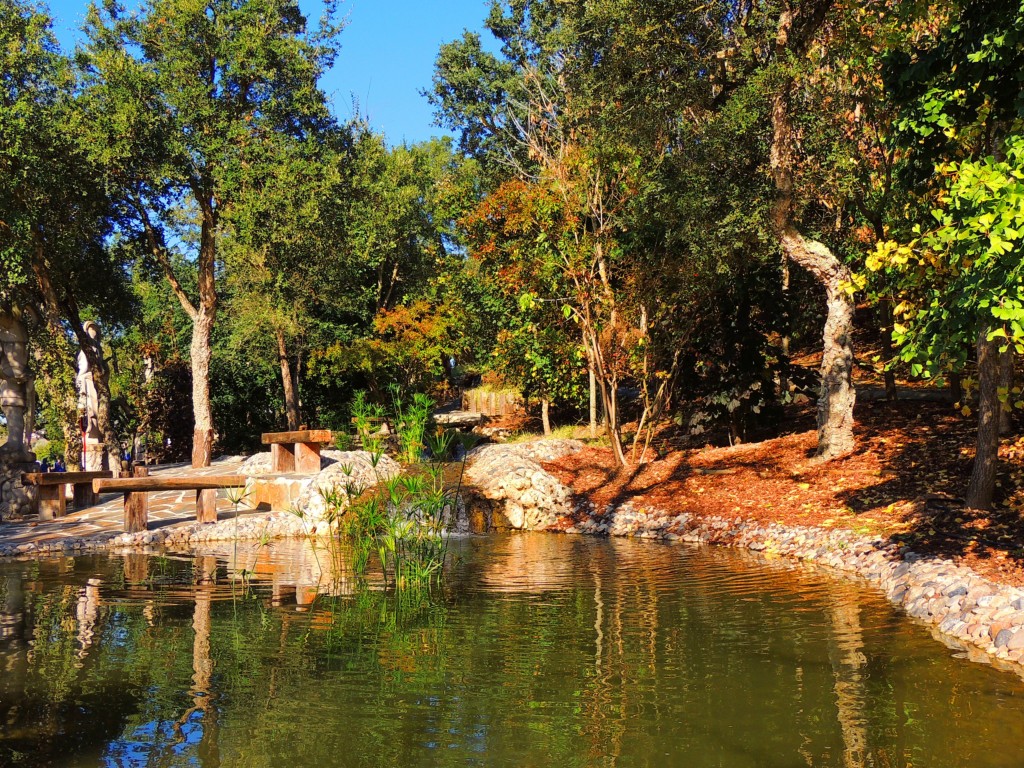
(540, 650)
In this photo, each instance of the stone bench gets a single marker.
(297, 451)
(136, 490)
(52, 500)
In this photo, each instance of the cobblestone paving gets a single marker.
(106, 518)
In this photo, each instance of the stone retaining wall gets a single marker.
(16, 499)
(508, 488)
(304, 493)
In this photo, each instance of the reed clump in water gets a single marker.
(402, 519)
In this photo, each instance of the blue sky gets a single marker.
(387, 55)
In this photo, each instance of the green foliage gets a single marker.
(367, 420)
(959, 86)
(519, 240)
(166, 413)
(965, 273)
(403, 519)
(954, 271)
(410, 421)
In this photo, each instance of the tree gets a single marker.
(55, 215)
(516, 244)
(282, 251)
(797, 25)
(963, 281)
(178, 96)
(535, 114)
(958, 279)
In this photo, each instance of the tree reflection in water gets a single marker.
(536, 650)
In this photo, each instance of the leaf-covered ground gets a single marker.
(905, 481)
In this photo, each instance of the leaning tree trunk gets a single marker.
(67, 307)
(202, 314)
(291, 397)
(101, 380)
(981, 487)
(835, 403)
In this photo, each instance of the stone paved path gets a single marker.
(102, 520)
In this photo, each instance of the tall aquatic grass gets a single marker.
(402, 519)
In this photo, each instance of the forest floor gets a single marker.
(904, 482)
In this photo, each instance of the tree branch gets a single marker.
(156, 247)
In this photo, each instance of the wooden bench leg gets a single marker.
(84, 496)
(206, 505)
(52, 503)
(136, 511)
(282, 457)
(136, 506)
(307, 458)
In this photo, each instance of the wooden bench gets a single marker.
(52, 501)
(137, 488)
(297, 451)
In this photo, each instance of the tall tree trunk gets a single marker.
(784, 382)
(291, 397)
(981, 487)
(545, 416)
(202, 314)
(105, 422)
(607, 383)
(72, 442)
(201, 353)
(607, 376)
(956, 387)
(835, 403)
(202, 332)
(593, 401)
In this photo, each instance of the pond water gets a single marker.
(540, 650)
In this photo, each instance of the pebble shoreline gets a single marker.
(968, 612)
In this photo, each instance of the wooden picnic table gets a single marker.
(297, 451)
(52, 500)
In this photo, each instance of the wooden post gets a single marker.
(136, 506)
(307, 458)
(283, 457)
(84, 495)
(206, 505)
(52, 504)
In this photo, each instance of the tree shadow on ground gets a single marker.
(926, 453)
